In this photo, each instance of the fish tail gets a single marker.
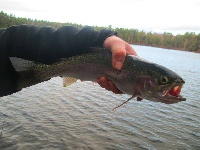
(29, 73)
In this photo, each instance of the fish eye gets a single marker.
(164, 80)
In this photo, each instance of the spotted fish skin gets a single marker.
(138, 77)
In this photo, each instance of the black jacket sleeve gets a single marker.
(44, 45)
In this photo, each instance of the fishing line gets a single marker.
(124, 102)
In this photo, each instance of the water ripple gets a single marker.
(48, 116)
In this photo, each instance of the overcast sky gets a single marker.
(175, 16)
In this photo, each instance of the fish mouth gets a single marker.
(172, 95)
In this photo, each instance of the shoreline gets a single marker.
(197, 51)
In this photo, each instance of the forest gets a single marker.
(188, 41)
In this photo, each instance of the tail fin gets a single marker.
(21, 64)
(26, 72)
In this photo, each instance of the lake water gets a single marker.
(48, 116)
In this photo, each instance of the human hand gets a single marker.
(119, 50)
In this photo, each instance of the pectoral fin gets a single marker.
(67, 81)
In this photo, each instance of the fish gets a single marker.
(139, 78)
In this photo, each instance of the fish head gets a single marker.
(160, 85)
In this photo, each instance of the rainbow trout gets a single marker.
(138, 78)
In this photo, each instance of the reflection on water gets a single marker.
(80, 117)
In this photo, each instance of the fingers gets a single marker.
(119, 53)
(118, 56)
(130, 50)
(119, 50)
(108, 85)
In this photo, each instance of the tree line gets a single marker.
(188, 41)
